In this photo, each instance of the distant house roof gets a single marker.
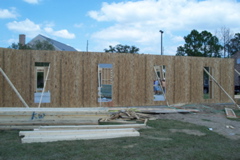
(57, 45)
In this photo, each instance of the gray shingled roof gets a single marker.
(57, 45)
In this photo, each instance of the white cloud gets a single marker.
(31, 29)
(174, 14)
(139, 22)
(61, 33)
(5, 13)
(32, 1)
(26, 26)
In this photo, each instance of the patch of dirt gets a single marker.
(212, 116)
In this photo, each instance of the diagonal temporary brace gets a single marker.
(221, 87)
(15, 90)
(237, 72)
(45, 83)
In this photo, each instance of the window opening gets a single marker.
(42, 94)
(236, 85)
(159, 83)
(207, 83)
(105, 82)
(40, 79)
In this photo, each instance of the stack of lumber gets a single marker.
(69, 133)
(27, 118)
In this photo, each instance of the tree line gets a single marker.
(204, 44)
(37, 45)
(201, 44)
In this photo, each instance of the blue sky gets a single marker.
(112, 22)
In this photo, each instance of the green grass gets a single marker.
(155, 143)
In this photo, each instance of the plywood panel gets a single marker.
(181, 79)
(170, 78)
(227, 81)
(11, 69)
(87, 79)
(138, 81)
(196, 80)
(115, 74)
(216, 73)
(149, 79)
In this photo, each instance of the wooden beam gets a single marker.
(82, 127)
(51, 116)
(77, 136)
(72, 132)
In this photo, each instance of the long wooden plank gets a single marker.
(80, 127)
(72, 132)
(23, 127)
(79, 137)
(89, 109)
(39, 123)
(54, 111)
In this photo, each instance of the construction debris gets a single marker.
(120, 115)
(125, 115)
(230, 113)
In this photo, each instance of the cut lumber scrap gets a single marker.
(230, 113)
(82, 127)
(87, 136)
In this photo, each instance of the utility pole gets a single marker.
(161, 42)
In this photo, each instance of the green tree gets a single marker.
(19, 46)
(202, 44)
(234, 44)
(122, 49)
(42, 45)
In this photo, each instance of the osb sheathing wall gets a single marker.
(73, 78)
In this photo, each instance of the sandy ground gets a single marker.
(212, 116)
